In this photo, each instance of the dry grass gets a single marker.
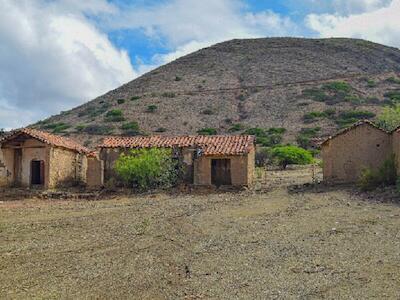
(275, 244)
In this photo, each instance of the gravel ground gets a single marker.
(332, 243)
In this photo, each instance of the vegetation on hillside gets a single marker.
(306, 87)
(389, 119)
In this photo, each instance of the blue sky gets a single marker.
(57, 54)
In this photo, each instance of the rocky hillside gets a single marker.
(256, 84)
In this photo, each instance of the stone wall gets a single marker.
(346, 155)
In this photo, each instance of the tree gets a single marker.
(389, 119)
(285, 155)
(147, 168)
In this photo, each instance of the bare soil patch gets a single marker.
(333, 243)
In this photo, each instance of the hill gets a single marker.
(290, 83)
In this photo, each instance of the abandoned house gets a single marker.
(363, 145)
(207, 160)
(32, 158)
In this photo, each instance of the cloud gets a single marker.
(188, 25)
(337, 7)
(56, 54)
(381, 25)
(52, 57)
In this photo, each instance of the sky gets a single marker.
(58, 54)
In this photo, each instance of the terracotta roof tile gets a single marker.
(48, 138)
(210, 145)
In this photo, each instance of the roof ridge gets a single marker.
(48, 138)
(211, 144)
(358, 123)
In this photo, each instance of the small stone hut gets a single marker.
(348, 152)
(32, 158)
(208, 160)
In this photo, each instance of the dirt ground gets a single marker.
(267, 243)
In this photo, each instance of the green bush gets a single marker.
(258, 132)
(393, 96)
(313, 116)
(207, 131)
(98, 129)
(386, 175)
(114, 115)
(305, 136)
(57, 127)
(152, 108)
(121, 101)
(168, 95)
(348, 118)
(337, 86)
(131, 128)
(267, 138)
(147, 168)
(134, 98)
(395, 80)
(389, 118)
(276, 130)
(316, 94)
(207, 111)
(177, 78)
(371, 83)
(285, 155)
(236, 127)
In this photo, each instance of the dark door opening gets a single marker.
(37, 172)
(221, 172)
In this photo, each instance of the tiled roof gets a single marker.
(210, 145)
(359, 123)
(48, 138)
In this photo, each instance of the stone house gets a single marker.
(207, 160)
(30, 158)
(363, 145)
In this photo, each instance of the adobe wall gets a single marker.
(109, 156)
(6, 167)
(346, 155)
(67, 168)
(251, 166)
(396, 149)
(31, 150)
(95, 173)
(242, 169)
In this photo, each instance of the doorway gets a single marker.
(37, 172)
(221, 172)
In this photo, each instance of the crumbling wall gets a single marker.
(95, 173)
(67, 168)
(251, 166)
(6, 167)
(109, 156)
(346, 155)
